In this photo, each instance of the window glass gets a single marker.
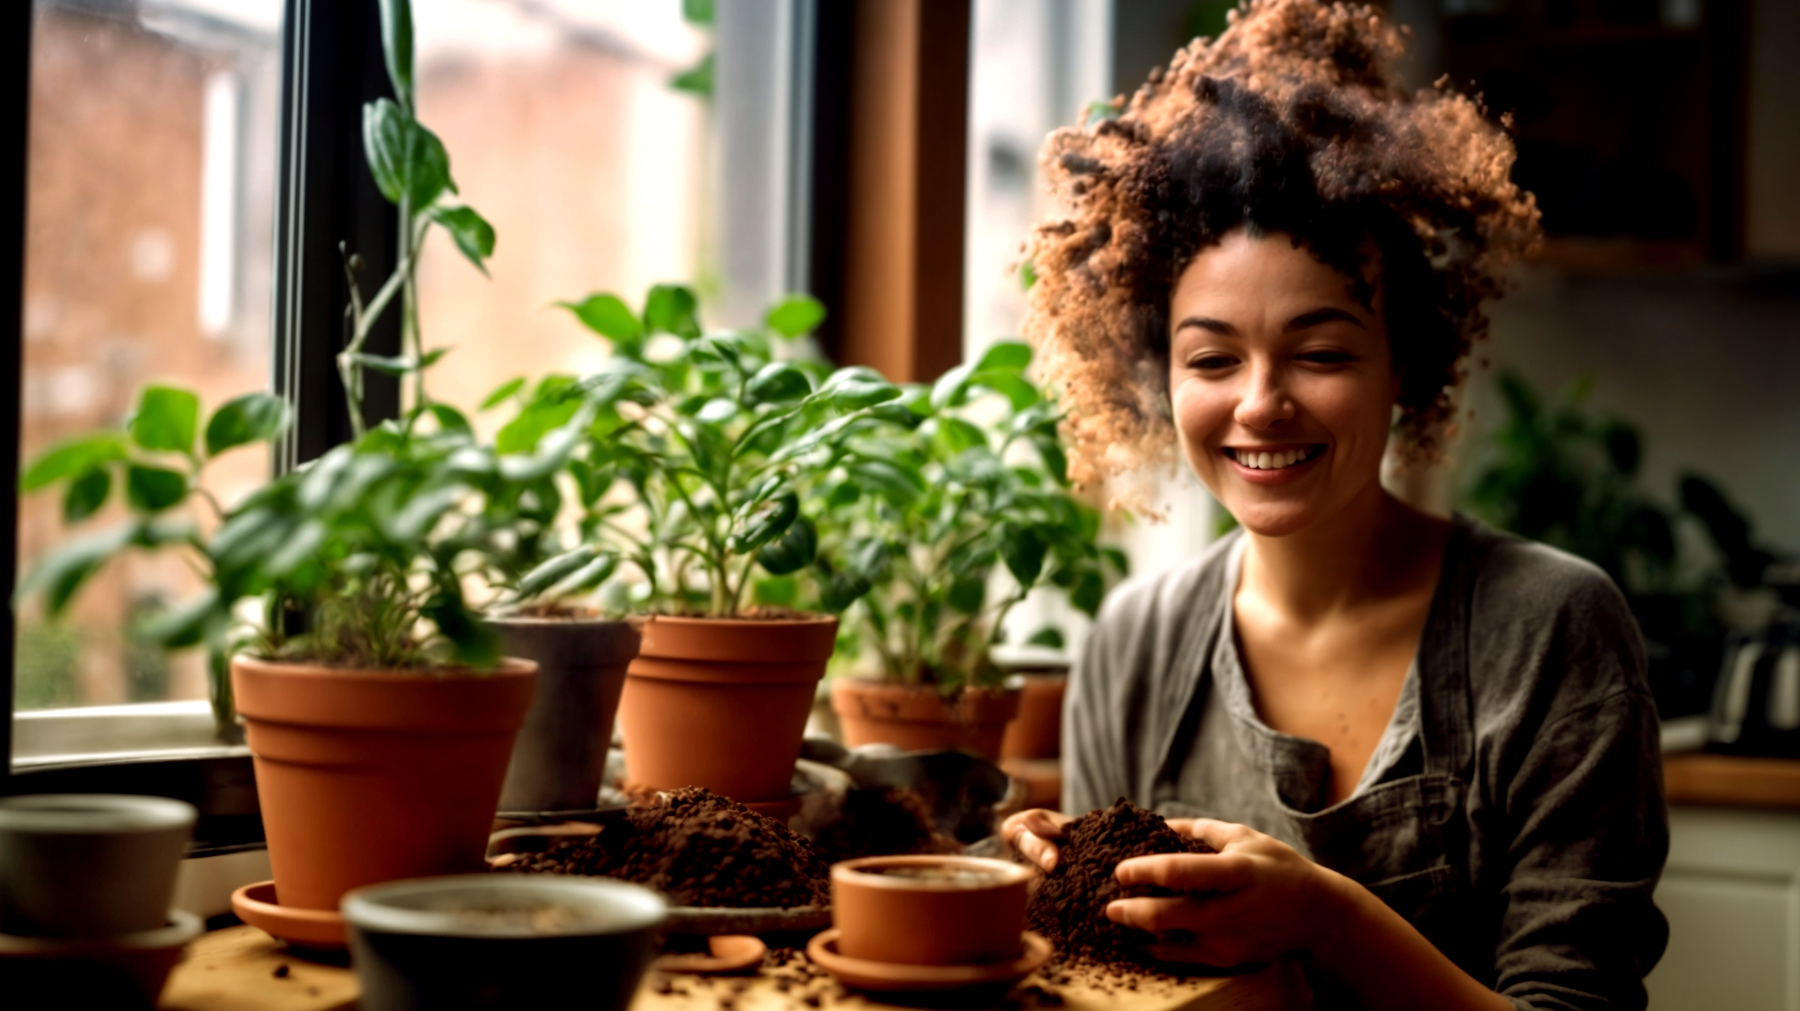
(148, 249)
(567, 132)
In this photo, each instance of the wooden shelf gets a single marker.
(1732, 781)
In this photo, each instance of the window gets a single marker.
(150, 193)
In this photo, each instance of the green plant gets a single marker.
(355, 558)
(932, 514)
(698, 452)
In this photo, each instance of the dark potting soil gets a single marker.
(699, 849)
(880, 822)
(1069, 905)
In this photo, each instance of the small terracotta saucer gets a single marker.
(863, 974)
(728, 953)
(309, 928)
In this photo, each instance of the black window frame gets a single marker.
(331, 64)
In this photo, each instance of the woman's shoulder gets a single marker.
(1175, 593)
(1545, 623)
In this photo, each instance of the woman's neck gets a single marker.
(1375, 548)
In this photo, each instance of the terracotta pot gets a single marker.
(929, 910)
(559, 758)
(721, 703)
(368, 776)
(1037, 732)
(917, 718)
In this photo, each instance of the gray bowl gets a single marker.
(494, 941)
(89, 865)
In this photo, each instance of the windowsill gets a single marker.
(104, 735)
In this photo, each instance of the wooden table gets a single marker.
(1700, 777)
(244, 969)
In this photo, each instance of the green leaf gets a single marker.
(767, 523)
(608, 316)
(792, 551)
(422, 512)
(967, 594)
(397, 46)
(591, 575)
(1089, 590)
(471, 232)
(898, 485)
(1049, 635)
(697, 79)
(540, 417)
(398, 365)
(185, 623)
(854, 388)
(697, 12)
(449, 418)
(1121, 565)
(796, 315)
(672, 308)
(473, 643)
(777, 383)
(253, 417)
(948, 390)
(554, 571)
(296, 549)
(1014, 387)
(167, 419)
(77, 456)
(1028, 276)
(781, 591)
(1022, 548)
(502, 393)
(153, 489)
(63, 571)
(86, 495)
(406, 159)
(1005, 356)
(841, 589)
(957, 436)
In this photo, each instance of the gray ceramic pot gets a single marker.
(89, 865)
(559, 756)
(493, 941)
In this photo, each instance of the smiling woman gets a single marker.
(1423, 753)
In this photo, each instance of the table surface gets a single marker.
(244, 969)
(1704, 778)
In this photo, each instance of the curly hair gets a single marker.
(1292, 121)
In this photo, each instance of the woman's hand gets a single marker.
(1253, 900)
(1034, 833)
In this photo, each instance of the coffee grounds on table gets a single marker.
(881, 822)
(699, 849)
(1068, 906)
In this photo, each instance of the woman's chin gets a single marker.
(1275, 519)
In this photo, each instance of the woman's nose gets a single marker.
(1266, 402)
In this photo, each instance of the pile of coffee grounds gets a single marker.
(1069, 905)
(699, 849)
(881, 822)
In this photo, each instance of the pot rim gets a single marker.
(509, 666)
(181, 928)
(93, 814)
(808, 619)
(537, 620)
(1006, 874)
(382, 908)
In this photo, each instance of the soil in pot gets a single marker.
(1069, 904)
(721, 703)
(919, 718)
(699, 849)
(368, 776)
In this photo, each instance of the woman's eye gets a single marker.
(1205, 363)
(1327, 357)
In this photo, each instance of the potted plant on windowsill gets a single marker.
(702, 448)
(936, 512)
(378, 709)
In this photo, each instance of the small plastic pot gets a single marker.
(89, 865)
(929, 910)
(494, 941)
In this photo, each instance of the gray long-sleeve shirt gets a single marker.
(1513, 810)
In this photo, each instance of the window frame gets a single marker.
(331, 64)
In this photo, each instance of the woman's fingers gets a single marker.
(1214, 833)
(1031, 834)
(1160, 915)
(1187, 872)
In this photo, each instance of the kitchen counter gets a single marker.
(243, 969)
(1701, 778)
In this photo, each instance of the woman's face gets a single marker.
(1282, 382)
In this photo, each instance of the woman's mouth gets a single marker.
(1277, 459)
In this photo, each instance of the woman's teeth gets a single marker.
(1260, 460)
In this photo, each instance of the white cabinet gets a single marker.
(1732, 894)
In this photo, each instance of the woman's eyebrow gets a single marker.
(1217, 326)
(1317, 316)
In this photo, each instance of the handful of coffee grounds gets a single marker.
(1069, 905)
(699, 849)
